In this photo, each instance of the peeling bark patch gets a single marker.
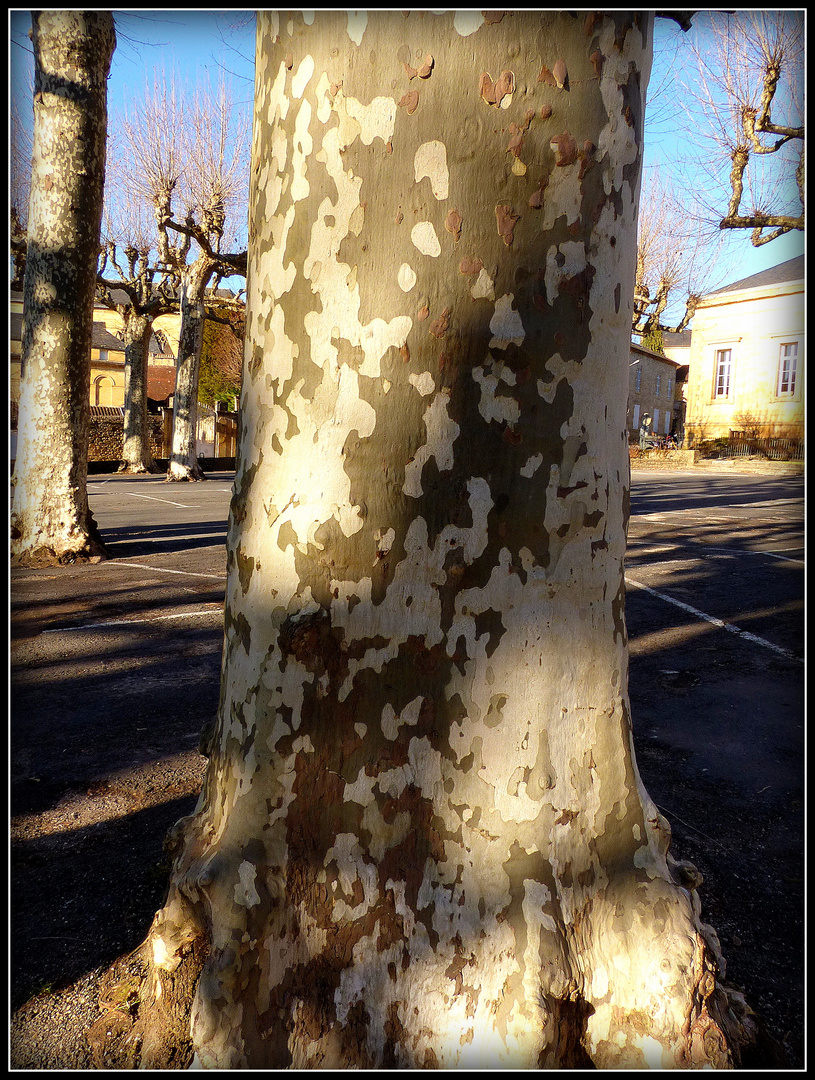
(440, 326)
(536, 199)
(497, 93)
(467, 22)
(406, 277)
(506, 219)
(303, 636)
(469, 266)
(357, 23)
(425, 239)
(409, 102)
(452, 224)
(431, 160)
(423, 71)
(565, 149)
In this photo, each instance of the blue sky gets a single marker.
(191, 44)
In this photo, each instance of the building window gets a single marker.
(669, 391)
(787, 369)
(638, 378)
(659, 380)
(724, 368)
(103, 354)
(635, 423)
(656, 420)
(103, 386)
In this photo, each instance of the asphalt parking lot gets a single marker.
(115, 668)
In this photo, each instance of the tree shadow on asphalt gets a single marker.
(83, 897)
(163, 539)
(718, 735)
(714, 491)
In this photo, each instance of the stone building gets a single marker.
(651, 392)
(746, 364)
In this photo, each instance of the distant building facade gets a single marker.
(746, 364)
(107, 359)
(651, 392)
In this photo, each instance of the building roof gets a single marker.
(650, 352)
(671, 340)
(103, 339)
(792, 270)
(160, 382)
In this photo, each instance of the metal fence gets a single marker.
(737, 444)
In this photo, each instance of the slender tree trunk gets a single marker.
(50, 517)
(136, 453)
(183, 463)
(423, 840)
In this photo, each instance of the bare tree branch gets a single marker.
(750, 86)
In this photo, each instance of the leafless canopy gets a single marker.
(187, 152)
(750, 86)
(675, 260)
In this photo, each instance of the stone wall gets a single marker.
(105, 437)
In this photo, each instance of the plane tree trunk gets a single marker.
(423, 840)
(137, 457)
(50, 516)
(183, 463)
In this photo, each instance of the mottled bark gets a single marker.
(423, 840)
(136, 454)
(50, 516)
(183, 464)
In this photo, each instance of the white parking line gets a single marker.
(165, 570)
(132, 622)
(654, 547)
(714, 621)
(749, 551)
(186, 506)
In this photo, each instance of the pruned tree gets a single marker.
(422, 839)
(50, 517)
(199, 163)
(750, 87)
(130, 283)
(676, 261)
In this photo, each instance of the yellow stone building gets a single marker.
(746, 363)
(107, 355)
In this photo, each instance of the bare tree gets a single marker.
(190, 152)
(20, 189)
(422, 839)
(50, 517)
(749, 86)
(131, 283)
(676, 261)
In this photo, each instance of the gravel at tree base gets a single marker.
(99, 779)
